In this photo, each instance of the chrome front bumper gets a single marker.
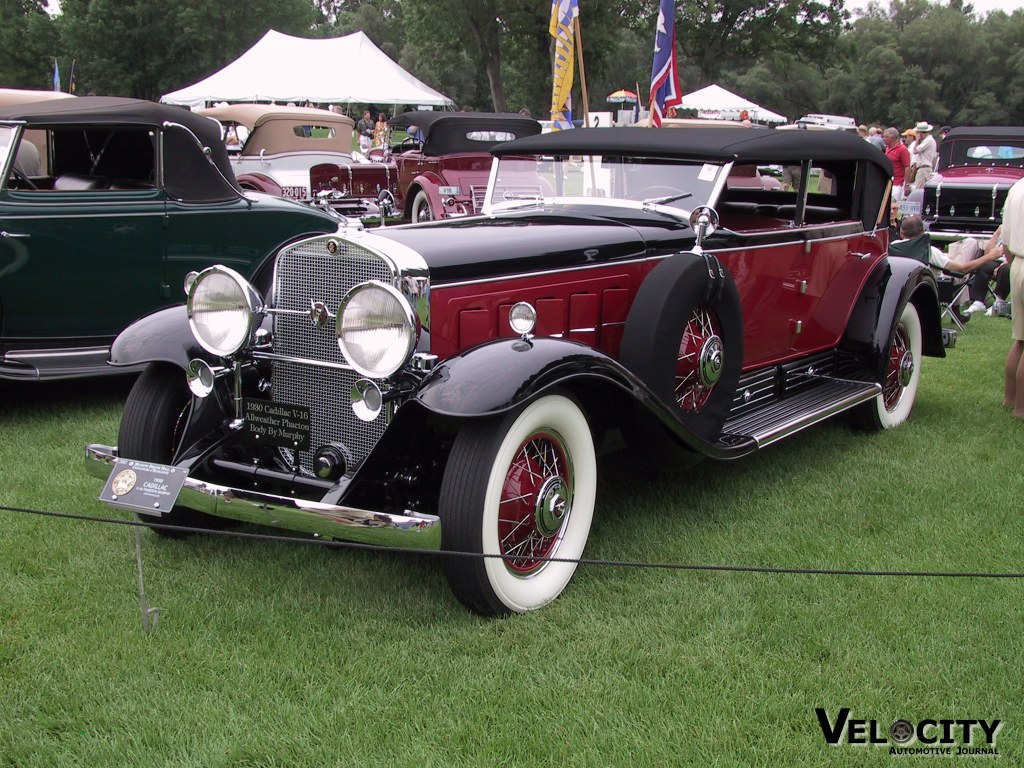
(411, 530)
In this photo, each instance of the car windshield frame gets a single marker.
(673, 186)
(9, 138)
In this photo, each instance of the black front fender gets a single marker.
(163, 336)
(497, 376)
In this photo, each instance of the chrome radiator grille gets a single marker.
(306, 273)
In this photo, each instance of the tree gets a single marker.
(383, 22)
(163, 46)
(28, 44)
(715, 32)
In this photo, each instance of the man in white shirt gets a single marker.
(925, 154)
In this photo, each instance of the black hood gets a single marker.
(535, 241)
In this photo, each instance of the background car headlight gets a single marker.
(376, 329)
(223, 310)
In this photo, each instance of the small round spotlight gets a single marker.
(522, 318)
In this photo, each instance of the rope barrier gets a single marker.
(317, 541)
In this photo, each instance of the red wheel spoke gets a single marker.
(691, 391)
(539, 462)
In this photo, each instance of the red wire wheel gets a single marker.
(899, 370)
(700, 360)
(535, 503)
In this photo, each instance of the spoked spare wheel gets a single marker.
(684, 339)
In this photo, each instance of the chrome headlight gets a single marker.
(223, 310)
(376, 329)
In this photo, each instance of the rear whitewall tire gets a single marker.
(901, 375)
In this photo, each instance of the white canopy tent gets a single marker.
(716, 102)
(335, 70)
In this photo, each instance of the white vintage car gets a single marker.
(275, 148)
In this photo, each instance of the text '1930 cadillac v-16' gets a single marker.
(443, 385)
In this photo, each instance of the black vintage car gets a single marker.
(120, 200)
(445, 384)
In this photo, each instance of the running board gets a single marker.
(782, 418)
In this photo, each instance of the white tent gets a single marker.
(333, 70)
(716, 102)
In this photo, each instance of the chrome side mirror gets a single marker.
(704, 222)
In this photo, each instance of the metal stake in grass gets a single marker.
(150, 616)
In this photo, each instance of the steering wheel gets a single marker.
(23, 180)
(408, 143)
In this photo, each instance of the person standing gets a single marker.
(1013, 244)
(381, 131)
(875, 137)
(925, 153)
(365, 130)
(900, 159)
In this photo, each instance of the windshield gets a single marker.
(604, 179)
(995, 152)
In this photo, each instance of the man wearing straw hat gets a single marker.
(925, 153)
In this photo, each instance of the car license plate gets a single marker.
(295, 193)
(144, 487)
(910, 208)
(271, 423)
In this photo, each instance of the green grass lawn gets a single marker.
(271, 654)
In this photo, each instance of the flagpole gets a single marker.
(583, 76)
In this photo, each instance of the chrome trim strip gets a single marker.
(39, 354)
(950, 235)
(274, 357)
(411, 530)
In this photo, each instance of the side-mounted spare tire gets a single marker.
(684, 339)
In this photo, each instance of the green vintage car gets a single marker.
(106, 204)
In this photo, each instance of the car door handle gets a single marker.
(5, 233)
(860, 255)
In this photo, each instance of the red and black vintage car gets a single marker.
(445, 384)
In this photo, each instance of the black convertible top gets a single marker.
(445, 133)
(188, 174)
(986, 132)
(711, 144)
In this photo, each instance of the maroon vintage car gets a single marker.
(977, 166)
(448, 384)
(442, 166)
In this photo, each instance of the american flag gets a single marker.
(665, 91)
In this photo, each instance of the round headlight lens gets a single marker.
(223, 310)
(376, 329)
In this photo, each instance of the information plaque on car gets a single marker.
(144, 487)
(270, 423)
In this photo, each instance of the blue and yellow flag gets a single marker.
(56, 76)
(563, 16)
